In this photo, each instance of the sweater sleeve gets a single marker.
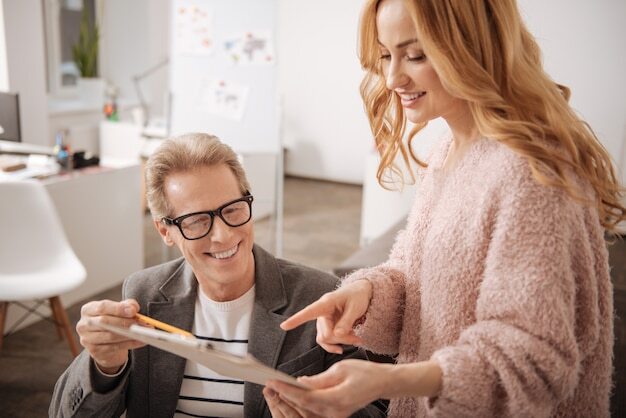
(520, 357)
(383, 321)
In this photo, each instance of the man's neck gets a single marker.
(223, 293)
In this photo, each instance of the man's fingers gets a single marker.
(90, 324)
(120, 346)
(323, 306)
(126, 309)
(102, 337)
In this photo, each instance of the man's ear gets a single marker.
(164, 231)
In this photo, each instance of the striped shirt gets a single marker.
(226, 325)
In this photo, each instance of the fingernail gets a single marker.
(129, 311)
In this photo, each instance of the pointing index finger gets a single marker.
(311, 312)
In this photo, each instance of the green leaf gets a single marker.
(85, 50)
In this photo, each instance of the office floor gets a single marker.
(321, 224)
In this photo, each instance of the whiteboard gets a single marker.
(202, 80)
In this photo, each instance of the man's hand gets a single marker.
(109, 350)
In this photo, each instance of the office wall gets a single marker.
(324, 126)
(584, 46)
(26, 65)
(325, 130)
(135, 37)
(4, 75)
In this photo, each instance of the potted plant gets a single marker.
(85, 54)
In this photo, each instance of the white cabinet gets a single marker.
(381, 208)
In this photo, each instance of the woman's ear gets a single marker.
(164, 231)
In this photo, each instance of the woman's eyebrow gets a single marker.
(401, 44)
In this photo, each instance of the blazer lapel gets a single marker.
(266, 337)
(166, 369)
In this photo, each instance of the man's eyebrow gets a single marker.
(403, 43)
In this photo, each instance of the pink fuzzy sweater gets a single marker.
(505, 284)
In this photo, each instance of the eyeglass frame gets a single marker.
(247, 197)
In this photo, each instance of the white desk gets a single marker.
(11, 147)
(100, 209)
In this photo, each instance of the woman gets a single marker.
(496, 297)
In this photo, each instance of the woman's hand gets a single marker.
(350, 385)
(109, 350)
(346, 387)
(279, 408)
(336, 313)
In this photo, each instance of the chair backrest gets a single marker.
(32, 235)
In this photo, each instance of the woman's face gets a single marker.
(407, 71)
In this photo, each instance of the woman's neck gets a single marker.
(464, 133)
(463, 127)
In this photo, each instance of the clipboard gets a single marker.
(239, 367)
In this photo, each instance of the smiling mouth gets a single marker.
(225, 254)
(407, 99)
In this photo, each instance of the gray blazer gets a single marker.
(150, 385)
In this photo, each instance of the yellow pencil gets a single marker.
(163, 326)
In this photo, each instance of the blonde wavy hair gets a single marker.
(484, 54)
(186, 153)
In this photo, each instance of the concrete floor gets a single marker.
(321, 228)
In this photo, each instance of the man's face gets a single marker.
(222, 261)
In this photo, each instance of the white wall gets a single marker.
(158, 16)
(4, 71)
(591, 61)
(584, 47)
(325, 129)
(324, 126)
(134, 39)
(26, 66)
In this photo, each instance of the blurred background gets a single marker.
(88, 88)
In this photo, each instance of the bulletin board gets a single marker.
(223, 72)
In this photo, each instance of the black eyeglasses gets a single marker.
(198, 224)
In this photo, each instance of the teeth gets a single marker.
(225, 254)
(412, 96)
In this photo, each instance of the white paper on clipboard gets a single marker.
(240, 367)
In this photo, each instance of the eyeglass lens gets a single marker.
(235, 214)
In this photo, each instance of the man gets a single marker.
(225, 289)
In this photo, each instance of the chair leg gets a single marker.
(65, 323)
(58, 320)
(4, 306)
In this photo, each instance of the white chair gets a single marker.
(36, 259)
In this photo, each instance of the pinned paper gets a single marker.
(193, 28)
(223, 98)
(251, 48)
